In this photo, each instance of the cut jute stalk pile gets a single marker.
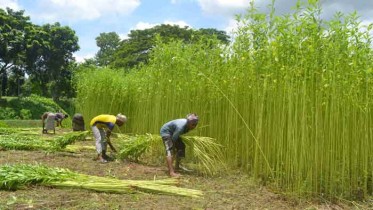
(14, 177)
(79, 148)
(205, 152)
(61, 142)
(23, 131)
(18, 141)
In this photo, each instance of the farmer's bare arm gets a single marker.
(108, 133)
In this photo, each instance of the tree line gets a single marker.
(130, 52)
(39, 59)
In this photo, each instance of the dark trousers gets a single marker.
(174, 146)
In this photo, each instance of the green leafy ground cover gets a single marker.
(20, 123)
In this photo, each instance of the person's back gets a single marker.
(104, 121)
(43, 119)
(102, 126)
(44, 116)
(49, 122)
(59, 117)
(78, 122)
(170, 133)
(174, 128)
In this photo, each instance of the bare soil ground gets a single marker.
(231, 191)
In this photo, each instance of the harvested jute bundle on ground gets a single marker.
(204, 152)
(24, 131)
(79, 148)
(18, 176)
(22, 142)
(61, 142)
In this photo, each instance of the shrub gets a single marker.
(25, 114)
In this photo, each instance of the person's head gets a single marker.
(121, 119)
(192, 121)
(60, 116)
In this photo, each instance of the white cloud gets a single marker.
(180, 23)
(231, 27)
(74, 10)
(224, 7)
(123, 36)
(81, 59)
(173, 1)
(13, 4)
(142, 26)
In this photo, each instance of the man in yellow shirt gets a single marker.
(101, 126)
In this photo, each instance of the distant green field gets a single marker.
(21, 123)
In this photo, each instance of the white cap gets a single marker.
(193, 118)
(122, 117)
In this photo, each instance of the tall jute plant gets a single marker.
(296, 109)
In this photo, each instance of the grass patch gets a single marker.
(21, 123)
(29, 108)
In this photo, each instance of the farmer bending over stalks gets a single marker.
(101, 126)
(170, 133)
(57, 117)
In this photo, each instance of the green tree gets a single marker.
(135, 49)
(209, 32)
(63, 85)
(89, 62)
(15, 80)
(12, 43)
(49, 53)
(108, 43)
(44, 52)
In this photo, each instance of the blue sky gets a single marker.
(89, 18)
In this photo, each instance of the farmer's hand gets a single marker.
(111, 146)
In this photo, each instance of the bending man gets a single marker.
(101, 126)
(170, 133)
(58, 117)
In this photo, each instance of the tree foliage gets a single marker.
(12, 46)
(135, 49)
(49, 52)
(108, 43)
(43, 52)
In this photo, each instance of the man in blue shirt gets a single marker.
(170, 133)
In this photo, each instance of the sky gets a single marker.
(89, 18)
